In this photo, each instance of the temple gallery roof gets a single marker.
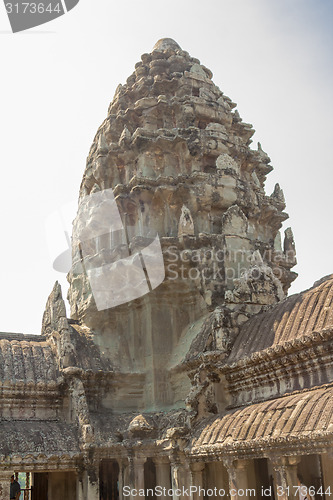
(27, 358)
(33, 358)
(49, 438)
(298, 316)
(287, 420)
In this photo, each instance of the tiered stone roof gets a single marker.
(301, 315)
(45, 444)
(28, 359)
(303, 421)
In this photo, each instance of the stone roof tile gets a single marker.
(284, 419)
(50, 438)
(24, 360)
(296, 317)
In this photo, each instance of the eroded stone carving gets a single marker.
(210, 366)
(178, 159)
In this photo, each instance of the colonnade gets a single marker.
(179, 477)
(182, 478)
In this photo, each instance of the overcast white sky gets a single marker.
(274, 58)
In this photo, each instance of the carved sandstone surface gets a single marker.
(214, 379)
(179, 162)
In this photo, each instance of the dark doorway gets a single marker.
(40, 486)
(265, 485)
(150, 479)
(109, 480)
(310, 468)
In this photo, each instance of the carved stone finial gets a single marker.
(165, 44)
(55, 325)
(264, 156)
(125, 137)
(102, 145)
(186, 224)
(278, 197)
(54, 317)
(289, 248)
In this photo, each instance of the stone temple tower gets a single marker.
(183, 364)
(178, 160)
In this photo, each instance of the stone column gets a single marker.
(139, 472)
(185, 475)
(5, 484)
(127, 469)
(175, 479)
(327, 467)
(292, 480)
(197, 479)
(121, 482)
(129, 474)
(92, 488)
(27, 480)
(80, 493)
(163, 475)
(180, 479)
(88, 485)
(238, 478)
(285, 472)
